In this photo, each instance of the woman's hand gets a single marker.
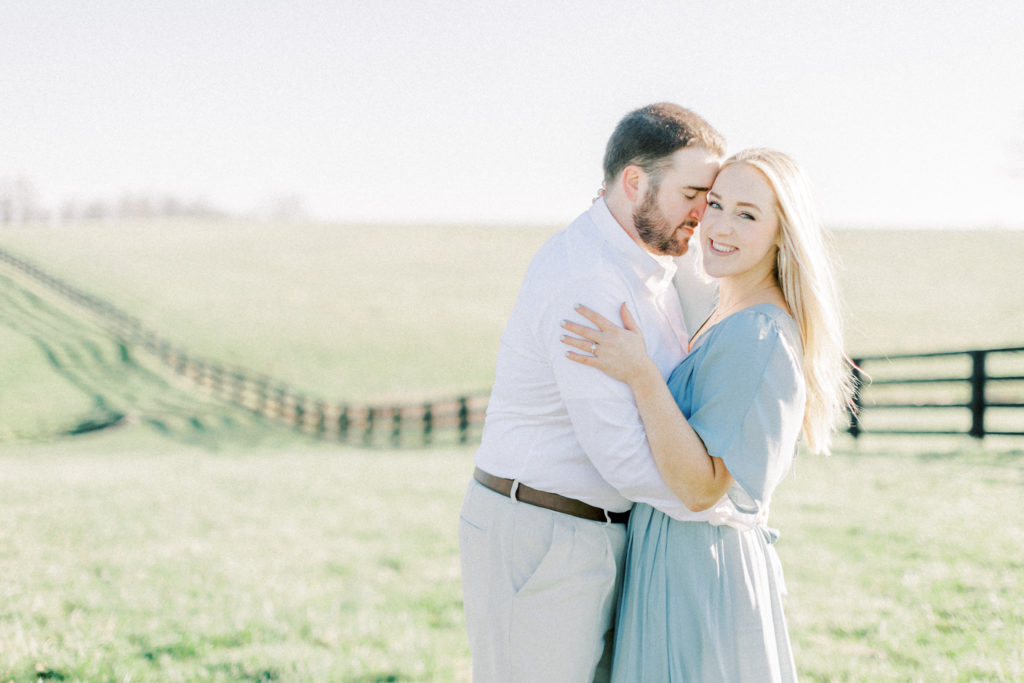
(619, 352)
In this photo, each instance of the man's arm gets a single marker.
(602, 410)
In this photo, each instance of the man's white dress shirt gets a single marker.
(563, 427)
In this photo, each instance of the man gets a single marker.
(542, 530)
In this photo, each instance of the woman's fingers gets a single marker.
(588, 339)
(627, 319)
(578, 343)
(580, 358)
(581, 330)
(602, 322)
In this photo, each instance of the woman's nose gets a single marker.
(720, 225)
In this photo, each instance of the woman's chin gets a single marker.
(715, 272)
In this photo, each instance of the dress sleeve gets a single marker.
(748, 404)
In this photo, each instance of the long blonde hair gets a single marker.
(804, 268)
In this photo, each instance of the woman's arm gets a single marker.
(698, 479)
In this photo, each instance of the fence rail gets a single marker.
(453, 420)
(978, 392)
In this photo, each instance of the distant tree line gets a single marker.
(20, 204)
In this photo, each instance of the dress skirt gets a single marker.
(700, 603)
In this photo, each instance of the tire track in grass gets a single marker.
(102, 367)
(122, 386)
(13, 316)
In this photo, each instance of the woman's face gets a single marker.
(740, 229)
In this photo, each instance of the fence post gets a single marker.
(217, 379)
(396, 426)
(321, 419)
(263, 398)
(239, 393)
(343, 422)
(180, 362)
(164, 352)
(463, 420)
(371, 415)
(428, 423)
(854, 408)
(977, 394)
(281, 393)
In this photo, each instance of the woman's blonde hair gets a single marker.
(804, 268)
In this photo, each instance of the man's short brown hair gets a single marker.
(648, 136)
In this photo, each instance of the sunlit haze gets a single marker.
(905, 114)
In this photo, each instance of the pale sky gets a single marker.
(904, 114)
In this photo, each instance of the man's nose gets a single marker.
(697, 211)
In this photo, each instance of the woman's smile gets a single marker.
(720, 248)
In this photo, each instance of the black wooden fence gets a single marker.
(454, 420)
(979, 393)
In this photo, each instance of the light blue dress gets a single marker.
(702, 601)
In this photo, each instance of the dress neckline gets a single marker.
(702, 334)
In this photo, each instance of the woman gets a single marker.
(701, 599)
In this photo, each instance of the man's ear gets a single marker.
(633, 181)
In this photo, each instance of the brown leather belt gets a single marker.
(549, 501)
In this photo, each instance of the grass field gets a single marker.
(342, 312)
(128, 558)
(125, 557)
(388, 313)
(194, 542)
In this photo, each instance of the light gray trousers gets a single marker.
(539, 590)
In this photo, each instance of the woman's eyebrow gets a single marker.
(714, 194)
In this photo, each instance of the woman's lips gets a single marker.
(719, 248)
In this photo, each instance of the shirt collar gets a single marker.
(655, 270)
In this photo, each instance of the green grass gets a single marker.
(343, 312)
(905, 567)
(402, 313)
(915, 291)
(65, 374)
(34, 402)
(195, 542)
(127, 557)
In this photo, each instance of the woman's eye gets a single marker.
(714, 205)
(747, 216)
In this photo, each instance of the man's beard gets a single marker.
(655, 231)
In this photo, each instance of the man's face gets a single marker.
(674, 203)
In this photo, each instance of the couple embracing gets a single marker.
(615, 527)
